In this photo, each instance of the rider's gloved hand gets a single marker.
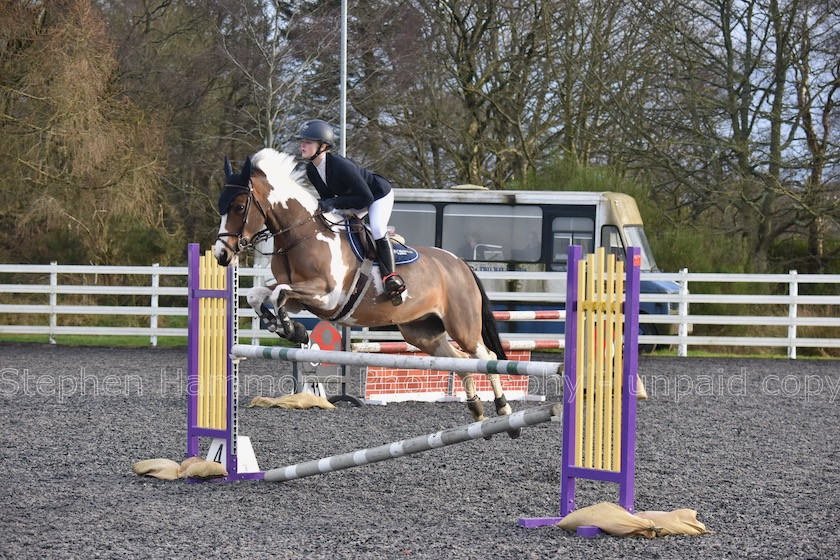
(327, 205)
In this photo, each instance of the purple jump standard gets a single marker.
(576, 428)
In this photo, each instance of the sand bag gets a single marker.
(298, 401)
(677, 522)
(205, 469)
(186, 463)
(610, 518)
(167, 469)
(164, 469)
(641, 392)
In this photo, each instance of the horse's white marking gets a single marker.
(338, 271)
(284, 178)
(482, 353)
(256, 296)
(377, 280)
(278, 295)
(219, 248)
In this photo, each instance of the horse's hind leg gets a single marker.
(428, 335)
(499, 400)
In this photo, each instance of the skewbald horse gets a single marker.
(314, 268)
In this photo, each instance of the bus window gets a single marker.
(490, 232)
(611, 242)
(415, 222)
(570, 230)
(636, 237)
(527, 247)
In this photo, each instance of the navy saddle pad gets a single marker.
(403, 254)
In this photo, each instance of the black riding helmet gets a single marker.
(317, 130)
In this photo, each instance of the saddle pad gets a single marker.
(403, 254)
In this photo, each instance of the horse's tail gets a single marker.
(489, 328)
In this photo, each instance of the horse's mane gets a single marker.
(284, 176)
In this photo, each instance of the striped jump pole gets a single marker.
(507, 345)
(476, 430)
(508, 367)
(539, 315)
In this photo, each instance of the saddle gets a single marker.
(364, 247)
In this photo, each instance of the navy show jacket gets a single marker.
(350, 184)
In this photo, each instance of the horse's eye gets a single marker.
(240, 208)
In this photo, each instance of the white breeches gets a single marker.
(379, 214)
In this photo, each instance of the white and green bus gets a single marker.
(528, 231)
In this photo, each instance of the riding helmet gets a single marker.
(317, 130)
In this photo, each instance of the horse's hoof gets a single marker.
(515, 433)
(396, 300)
(299, 334)
(502, 406)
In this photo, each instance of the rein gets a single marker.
(265, 234)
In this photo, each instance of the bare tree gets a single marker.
(721, 125)
(87, 160)
(817, 80)
(493, 63)
(278, 66)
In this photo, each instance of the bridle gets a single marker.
(243, 243)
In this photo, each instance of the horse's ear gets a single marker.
(228, 168)
(245, 173)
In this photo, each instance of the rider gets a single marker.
(343, 184)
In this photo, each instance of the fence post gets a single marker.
(53, 298)
(794, 293)
(682, 328)
(153, 319)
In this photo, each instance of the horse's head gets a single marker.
(243, 214)
(264, 199)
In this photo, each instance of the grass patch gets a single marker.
(119, 341)
(102, 341)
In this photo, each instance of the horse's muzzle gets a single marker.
(225, 252)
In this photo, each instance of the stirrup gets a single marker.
(394, 286)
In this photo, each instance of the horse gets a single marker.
(315, 268)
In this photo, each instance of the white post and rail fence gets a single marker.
(792, 311)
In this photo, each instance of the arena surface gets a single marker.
(753, 445)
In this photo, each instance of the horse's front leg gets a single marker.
(278, 321)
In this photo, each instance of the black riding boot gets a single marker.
(393, 283)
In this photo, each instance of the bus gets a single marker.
(529, 231)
